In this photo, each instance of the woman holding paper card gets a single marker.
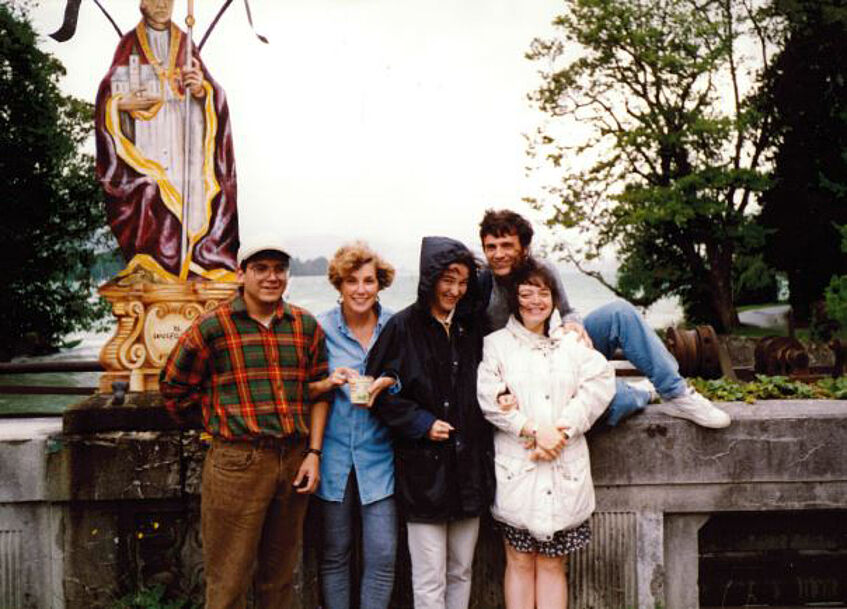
(357, 465)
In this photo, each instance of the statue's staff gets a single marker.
(186, 140)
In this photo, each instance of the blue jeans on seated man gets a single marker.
(620, 325)
(379, 548)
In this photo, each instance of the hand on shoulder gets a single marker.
(579, 330)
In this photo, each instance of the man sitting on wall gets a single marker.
(506, 237)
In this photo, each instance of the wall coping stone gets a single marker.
(776, 455)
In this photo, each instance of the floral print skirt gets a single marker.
(561, 542)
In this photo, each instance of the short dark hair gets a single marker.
(502, 222)
(465, 258)
(531, 272)
(274, 254)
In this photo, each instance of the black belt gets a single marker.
(264, 441)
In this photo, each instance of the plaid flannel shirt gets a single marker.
(248, 379)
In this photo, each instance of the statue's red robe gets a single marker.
(144, 206)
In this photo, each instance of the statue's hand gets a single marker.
(137, 101)
(192, 78)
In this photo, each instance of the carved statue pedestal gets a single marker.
(151, 317)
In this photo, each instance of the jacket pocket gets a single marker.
(514, 497)
(422, 479)
(574, 490)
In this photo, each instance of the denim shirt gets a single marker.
(354, 437)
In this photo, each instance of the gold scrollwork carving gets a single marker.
(134, 356)
(191, 311)
(149, 320)
(129, 356)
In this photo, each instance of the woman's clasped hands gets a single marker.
(549, 441)
(545, 441)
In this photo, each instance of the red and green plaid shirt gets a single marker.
(249, 380)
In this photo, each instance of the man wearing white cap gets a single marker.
(248, 364)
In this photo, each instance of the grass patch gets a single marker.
(753, 307)
(757, 332)
(153, 597)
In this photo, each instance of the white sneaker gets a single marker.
(694, 407)
(646, 385)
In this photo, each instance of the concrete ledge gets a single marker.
(139, 412)
(771, 441)
(24, 447)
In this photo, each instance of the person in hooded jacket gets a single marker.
(443, 453)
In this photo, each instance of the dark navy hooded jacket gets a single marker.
(436, 481)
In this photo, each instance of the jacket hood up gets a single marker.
(437, 253)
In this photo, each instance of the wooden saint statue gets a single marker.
(166, 163)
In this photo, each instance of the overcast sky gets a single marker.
(384, 120)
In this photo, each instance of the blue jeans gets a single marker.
(620, 325)
(379, 548)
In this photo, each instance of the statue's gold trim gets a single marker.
(171, 196)
(167, 76)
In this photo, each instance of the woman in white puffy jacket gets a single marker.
(542, 389)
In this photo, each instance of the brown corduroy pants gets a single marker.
(251, 517)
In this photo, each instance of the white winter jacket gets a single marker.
(556, 380)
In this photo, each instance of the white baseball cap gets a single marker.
(253, 244)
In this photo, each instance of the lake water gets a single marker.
(313, 293)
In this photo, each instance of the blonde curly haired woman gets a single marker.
(357, 465)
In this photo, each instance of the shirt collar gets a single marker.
(283, 309)
(382, 316)
(447, 321)
(555, 334)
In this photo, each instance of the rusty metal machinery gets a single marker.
(781, 355)
(697, 351)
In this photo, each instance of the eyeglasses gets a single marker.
(261, 270)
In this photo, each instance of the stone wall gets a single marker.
(88, 514)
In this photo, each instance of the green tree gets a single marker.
(835, 294)
(669, 168)
(807, 86)
(53, 204)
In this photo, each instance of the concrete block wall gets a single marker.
(31, 551)
(92, 515)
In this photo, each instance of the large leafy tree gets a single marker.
(53, 206)
(807, 86)
(657, 141)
